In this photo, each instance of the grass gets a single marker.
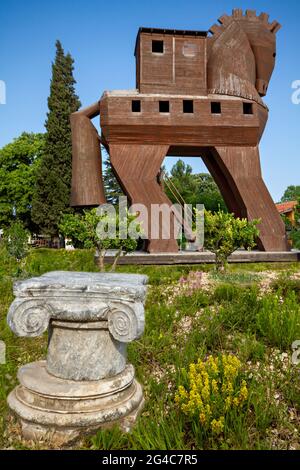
(239, 313)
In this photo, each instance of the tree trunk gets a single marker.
(116, 260)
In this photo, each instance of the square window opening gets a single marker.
(164, 107)
(215, 107)
(188, 106)
(158, 46)
(247, 108)
(136, 106)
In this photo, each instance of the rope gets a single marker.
(182, 202)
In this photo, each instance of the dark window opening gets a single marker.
(247, 108)
(164, 107)
(215, 107)
(188, 106)
(158, 47)
(136, 106)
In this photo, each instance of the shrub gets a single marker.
(8, 264)
(16, 240)
(83, 229)
(295, 237)
(214, 392)
(224, 233)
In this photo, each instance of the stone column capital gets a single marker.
(80, 297)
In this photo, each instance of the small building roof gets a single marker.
(285, 207)
(172, 32)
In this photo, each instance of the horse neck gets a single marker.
(231, 66)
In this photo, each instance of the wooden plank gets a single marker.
(205, 258)
(201, 136)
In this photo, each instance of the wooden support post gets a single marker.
(87, 184)
(137, 167)
(246, 194)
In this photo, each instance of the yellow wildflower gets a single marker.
(228, 402)
(217, 425)
(236, 402)
(213, 391)
(214, 386)
(243, 395)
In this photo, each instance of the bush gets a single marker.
(224, 233)
(295, 237)
(16, 240)
(89, 230)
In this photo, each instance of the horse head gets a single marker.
(252, 64)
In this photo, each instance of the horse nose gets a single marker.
(261, 86)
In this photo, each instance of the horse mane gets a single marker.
(247, 21)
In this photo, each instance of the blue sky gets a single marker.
(100, 35)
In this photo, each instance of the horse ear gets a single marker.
(274, 27)
(217, 29)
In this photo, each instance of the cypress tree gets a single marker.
(53, 185)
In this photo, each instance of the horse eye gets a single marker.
(274, 55)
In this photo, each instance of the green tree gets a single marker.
(111, 186)
(223, 234)
(82, 229)
(19, 163)
(53, 186)
(208, 193)
(184, 181)
(292, 193)
(199, 188)
(181, 170)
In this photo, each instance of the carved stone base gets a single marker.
(59, 411)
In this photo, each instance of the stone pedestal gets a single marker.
(85, 383)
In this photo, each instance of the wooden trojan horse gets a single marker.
(198, 94)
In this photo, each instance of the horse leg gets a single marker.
(247, 195)
(136, 168)
(221, 181)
